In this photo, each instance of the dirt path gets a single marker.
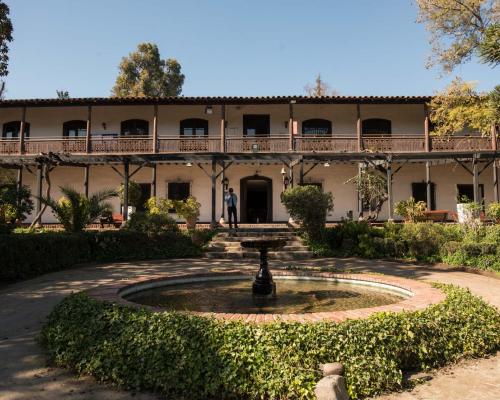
(25, 305)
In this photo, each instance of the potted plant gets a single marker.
(493, 212)
(467, 210)
(188, 209)
(411, 210)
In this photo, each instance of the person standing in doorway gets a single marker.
(231, 202)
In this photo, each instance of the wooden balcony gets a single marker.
(172, 144)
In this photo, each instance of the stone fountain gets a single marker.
(263, 285)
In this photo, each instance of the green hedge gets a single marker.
(477, 247)
(27, 255)
(190, 357)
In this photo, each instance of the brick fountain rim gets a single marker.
(418, 295)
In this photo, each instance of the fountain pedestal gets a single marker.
(263, 284)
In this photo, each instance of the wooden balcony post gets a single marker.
(290, 125)
(428, 185)
(155, 128)
(88, 143)
(223, 129)
(359, 132)
(390, 204)
(213, 178)
(496, 195)
(86, 180)
(126, 176)
(301, 174)
(19, 181)
(475, 178)
(494, 143)
(22, 128)
(222, 190)
(426, 129)
(153, 180)
(39, 188)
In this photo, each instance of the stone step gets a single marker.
(237, 246)
(226, 242)
(272, 255)
(240, 238)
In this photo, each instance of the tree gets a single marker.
(458, 28)
(319, 89)
(5, 38)
(15, 202)
(460, 106)
(372, 189)
(309, 206)
(489, 48)
(74, 211)
(143, 73)
(62, 94)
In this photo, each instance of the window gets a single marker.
(317, 127)
(11, 130)
(419, 193)
(194, 127)
(75, 129)
(178, 190)
(468, 191)
(376, 127)
(135, 127)
(256, 125)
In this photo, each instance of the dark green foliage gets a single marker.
(151, 224)
(309, 206)
(5, 37)
(189, 357)
(24, 256)
(489, 47)
(15, 204)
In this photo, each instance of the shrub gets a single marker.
(74, 211)
(134, 193)
(309, 206)
(27, 255)
(191, 357)
(493, 212)
(410, 209)
(150, 224)
(15, 204)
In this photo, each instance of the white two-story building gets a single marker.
(200, 146)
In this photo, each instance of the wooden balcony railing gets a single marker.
(460, 143)
(203, 144)
(258, 144)
(326, 144)
(245, 144)
(396, 144)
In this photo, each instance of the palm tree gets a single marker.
(74, 211)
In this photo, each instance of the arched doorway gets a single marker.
(256, 202)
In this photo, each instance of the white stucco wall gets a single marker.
(333, 178)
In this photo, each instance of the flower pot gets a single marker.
(131, 210)
(465, 215)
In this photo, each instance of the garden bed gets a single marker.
(185, 356)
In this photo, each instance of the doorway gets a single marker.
(256, 199)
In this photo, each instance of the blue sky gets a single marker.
(228, 47)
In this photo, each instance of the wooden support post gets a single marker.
(475, 179)
(360, 197)
(290, 126)
(428, 185)
(153, 180)
(426, 129)
(390, 205)
(494, 142)
(290, 174)
(496, 195)
(88, 138)
(22, 130)
(222, 190)
(213, 178)
(155, 128)
(126, 177)
(301, 175)
(86, 181)
(359, 132)
(39, 188)
(19, 181)
(223, 129)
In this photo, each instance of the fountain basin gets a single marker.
(410, 295)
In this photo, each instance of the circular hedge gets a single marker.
(189, 357)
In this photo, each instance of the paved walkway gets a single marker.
(25, 305)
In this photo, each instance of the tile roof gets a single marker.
(229, 100)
